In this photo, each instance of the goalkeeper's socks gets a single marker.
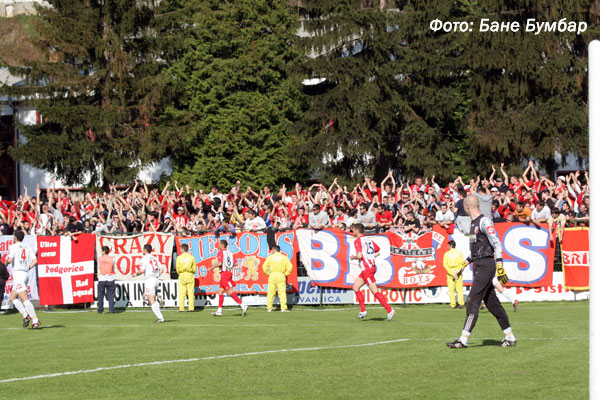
(30, 310)
(235, 297)
(383, 302)
(20, 307)
(464, 337)
(156, 311)
(508, 334)
(221, 299)
(361, 300)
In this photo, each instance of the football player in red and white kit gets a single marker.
(151, 268)
(225, 262)
(22, 259)
(366, 252)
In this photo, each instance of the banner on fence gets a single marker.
(527, 252)
(249, 250)
(556, 291)
(405, 260)
(412, 261)
(576, 258)
(310, 294)
(127, 250)
(130, 294)
(66, 269)
(32, 288)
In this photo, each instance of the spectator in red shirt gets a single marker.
(384, 218)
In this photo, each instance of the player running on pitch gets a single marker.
(151, 268)
(22, 259)
(225, 262)
(366, 252)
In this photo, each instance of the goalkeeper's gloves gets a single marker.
(501, 273)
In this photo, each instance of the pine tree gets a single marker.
(99, 91)
(529, 90)
(391, 90)
(400, 96)
(237, 101)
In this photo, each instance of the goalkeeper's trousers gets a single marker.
(484, 270)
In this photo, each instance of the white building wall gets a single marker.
(12, 8)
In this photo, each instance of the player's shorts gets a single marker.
(150, 286)
(20, 280)
(368, 275)
(226, 281)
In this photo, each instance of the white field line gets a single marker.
(184, 360)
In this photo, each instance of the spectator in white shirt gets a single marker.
(254, 222)
(318, 219)
(444, 216)
(541, 213)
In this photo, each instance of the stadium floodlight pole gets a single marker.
(594, 138)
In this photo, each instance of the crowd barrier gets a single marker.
(410, 267)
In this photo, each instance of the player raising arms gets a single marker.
(151, 269)
(225, 262)
(22, 259)
(366, 252)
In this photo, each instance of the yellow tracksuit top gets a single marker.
(277, 262)
(453, 260)
(185, 263)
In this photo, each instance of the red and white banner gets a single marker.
(249, 251)
(127, 250)
(66, 269)
(32, 288)
(412, 261)
(405, 260)
(576, 258)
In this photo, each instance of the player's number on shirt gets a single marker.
(23, 258)
(154, 265)
(370, 249)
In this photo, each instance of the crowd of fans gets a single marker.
(407, 206)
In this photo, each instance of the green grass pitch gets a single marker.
(329, 355)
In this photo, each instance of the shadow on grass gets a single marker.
(48, 327)
(489, 342)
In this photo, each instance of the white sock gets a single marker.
(156, 311)
(30, 310)
(220, 309)
(20, 307)
(511, 337)
(464, 337)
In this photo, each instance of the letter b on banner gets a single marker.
(324, 249)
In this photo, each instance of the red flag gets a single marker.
(576, 258)
(66, 269)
